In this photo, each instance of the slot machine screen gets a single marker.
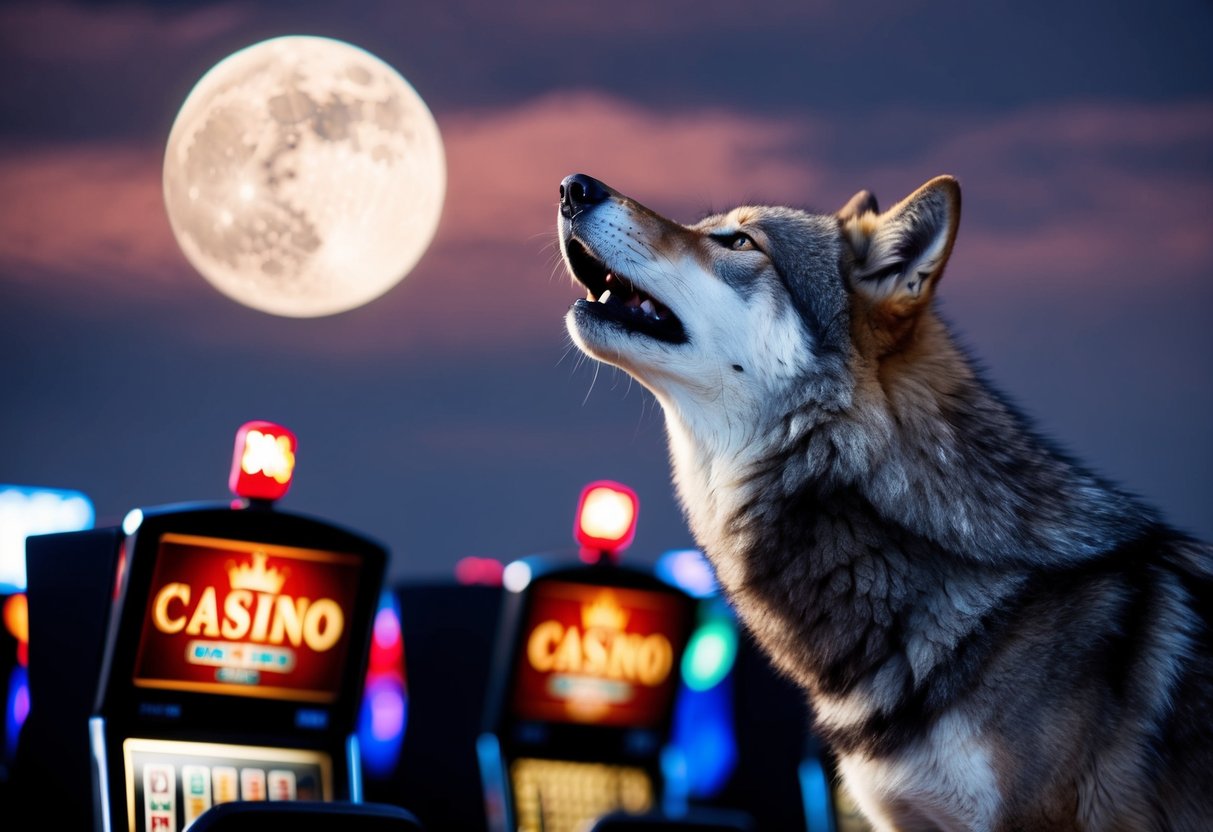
(598, 655)
(237, 618)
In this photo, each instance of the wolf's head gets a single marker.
(747, 316)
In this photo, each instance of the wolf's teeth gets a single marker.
(647, 306)
(605, 296)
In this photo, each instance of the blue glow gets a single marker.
(815, 791)
(132, 521)
(160, 710)
(25, 511)
(704, 739)
(312, 719)
(16, 709)
(688, 570)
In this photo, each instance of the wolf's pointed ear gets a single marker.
(899, 255)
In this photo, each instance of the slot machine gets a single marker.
(201, 654)
(584, 680)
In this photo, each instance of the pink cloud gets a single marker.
(1087, 194)
(509, 162)
(85, 213)
(1050, 195)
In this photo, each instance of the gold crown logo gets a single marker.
(604, 614)
(256, 578)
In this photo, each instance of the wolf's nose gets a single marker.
(578, 192)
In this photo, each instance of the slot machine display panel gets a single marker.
(234, 664)
(589, 669)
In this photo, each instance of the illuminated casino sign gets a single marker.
(597, 654)
(247, 619)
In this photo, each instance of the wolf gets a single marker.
(990, 636)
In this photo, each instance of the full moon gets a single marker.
(304, 176)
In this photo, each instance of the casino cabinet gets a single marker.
(582, 697)
(199, 655)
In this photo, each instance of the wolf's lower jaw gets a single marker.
(614, 298)
(633, 315)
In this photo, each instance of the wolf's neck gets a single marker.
(924, 490)
(931, 451)
(855, 609)
(963, 469)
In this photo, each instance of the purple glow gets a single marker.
(689, 570)
(387, 713)
(387, 628)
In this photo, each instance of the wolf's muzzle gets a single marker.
(578, 192)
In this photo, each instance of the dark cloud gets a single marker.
(785, 58)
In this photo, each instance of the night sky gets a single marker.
(451, 416)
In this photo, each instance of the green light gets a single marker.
(709, 655)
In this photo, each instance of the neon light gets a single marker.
(264, 461)
(606, 517)
(27, 511)
(387, 629)
(387, 713)
(516, 576)
(709, 655)
(815, 793)
(386, 646)
(703, 732)
(258, 602)
(383, 716)
(16, 709)
(267, 454)
(132, 521)
(16, 617)
(471, 571)
(688, 570)
(21, 699)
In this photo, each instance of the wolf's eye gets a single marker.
(738, 241)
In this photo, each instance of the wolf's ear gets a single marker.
(858, 205)
(899, 255)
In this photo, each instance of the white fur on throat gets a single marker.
(946, 782)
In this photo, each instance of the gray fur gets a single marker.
(896, 535)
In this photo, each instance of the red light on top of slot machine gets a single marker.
(264, 461)
(606, 519)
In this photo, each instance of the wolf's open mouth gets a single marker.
(612, 297)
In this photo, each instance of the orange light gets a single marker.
(16, 617)
(264, 461)
(606, 517)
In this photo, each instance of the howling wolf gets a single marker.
(990, 636)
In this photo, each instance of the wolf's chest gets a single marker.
(945, 782)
